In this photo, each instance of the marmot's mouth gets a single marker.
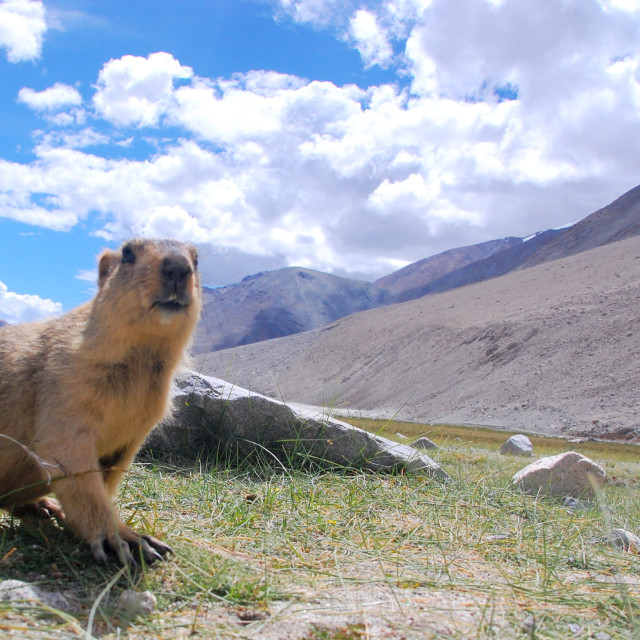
(170, 306)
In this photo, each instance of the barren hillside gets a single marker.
(552, 349)
(278, 303)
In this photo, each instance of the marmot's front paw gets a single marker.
(128, 547)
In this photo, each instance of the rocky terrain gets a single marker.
(418, 274)
(550, 349)
(278, 303)
(617, 221)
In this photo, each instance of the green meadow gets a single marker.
(263, 551)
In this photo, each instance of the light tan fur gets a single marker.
(79, 393)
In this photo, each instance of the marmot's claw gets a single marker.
(153, 549)
(126, 545)
(97, 549)
(103, 543)
(43, 509)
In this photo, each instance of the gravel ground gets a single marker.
(552, 349)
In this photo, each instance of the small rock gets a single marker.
(602, 635)
(18, 591)
(575, 628)
(134, 603)
(518, 445)
(573, 503)
(424, 443)
(529, 625)
(401, 436)
(625, 540)
(567, 474)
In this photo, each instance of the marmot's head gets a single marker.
(150, 282)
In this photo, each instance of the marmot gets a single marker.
(79, 393)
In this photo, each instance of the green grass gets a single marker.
(266, 553)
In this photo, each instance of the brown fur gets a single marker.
(79, 393)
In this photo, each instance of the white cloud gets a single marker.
(16, 307)
(315, 11)
(370, 39)
(351, 179)
(547, 49)
(22, 27)
(623, 5)
(52, 99)
(137, 91)
(75, 139)
(87, 275)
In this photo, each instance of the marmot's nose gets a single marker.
(175, 268)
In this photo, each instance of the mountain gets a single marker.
(273, 304)
(497, 264)
(287, 301)
(2, 323)
(278, 303)
(421, 273)
(550, 349)
(616, 221)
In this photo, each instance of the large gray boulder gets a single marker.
(567, 474)
(214, 418)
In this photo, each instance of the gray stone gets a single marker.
(625, 540)
(18, 591)
(135, 603)
(518, 445)
(567, 474)
(214, 418)
(574, 504)
(424, 443)
(529, 625)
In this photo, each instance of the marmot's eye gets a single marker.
(128, 256)
(195, 262)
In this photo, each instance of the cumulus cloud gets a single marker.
(314, 11)
(16, 307)
(22, 28)
(510, 118)
(137, 91)
(370, 39)
(52, 99)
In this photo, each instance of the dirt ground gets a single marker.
(552, 349)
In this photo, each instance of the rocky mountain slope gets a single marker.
(551, 349)
(421, 273)
(616, 221)
(497, 264)
(278, 303)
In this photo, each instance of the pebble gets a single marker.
(134, 603)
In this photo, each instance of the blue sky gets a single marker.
(351, 136)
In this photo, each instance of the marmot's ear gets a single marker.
(106, 264)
